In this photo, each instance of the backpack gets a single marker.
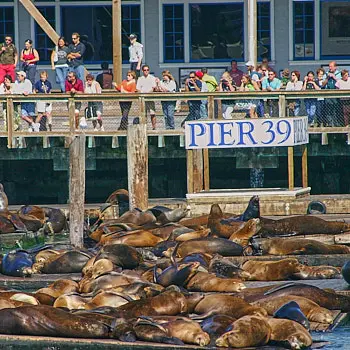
(90, 113)
(107, 80)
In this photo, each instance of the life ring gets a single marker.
(316, 207)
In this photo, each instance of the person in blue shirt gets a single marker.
(44, 109)
(271, 83)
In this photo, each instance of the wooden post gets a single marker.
(138, 166)
(282, 106)
(206, 169)
(304, 166)
(198, 179)
(290, 168)
(189, 158)
(142, 107)
(9, 122)
(77, 190)
(117, 40)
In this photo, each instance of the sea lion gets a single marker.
(17, 263)
(253, 209)
(138, 238)
(138, 217)
(301, 225)
(30, 222)
(317, 272)
(33, 210)
(310, 309)
(345, 271)
(223, 267)
(107, 298)
(49, 321)
(291, 311)
(300, 246)
(162, 247)
(165, 215)
(209, 245)
(59, 287)
(246, 232)
(120, 255)
(283, 330)
(72, 301)
(192, 235)
(118, 195)
(56, 220)
(216, 325)
(4, 203)
(202, 259)
(223, 304)
(247, 331)
(271, 270)
(208, 282)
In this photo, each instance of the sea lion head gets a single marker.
(345, 271)
(320, 315)
(292, 311)
(253, 209)
(297, 342)
(215, 212)
(201, 339)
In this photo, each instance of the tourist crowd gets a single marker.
(68, 63)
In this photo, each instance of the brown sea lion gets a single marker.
(193, 235)
(246, 232)
(166, 230)
(31, 222)
(138, 217)
(107, 298)
(310, 309)
(56, 220)
(165, 215)
(72, 301)
(283, 330)
(299, 246)
(6, 304)
(223, 304)
(118, 194)
(209, 245)
(33, 210)
(271, 270)
(208, 282)
(224, 267)
(138, 238)
(59, 287)
(216, 325)
(317, 272)
(49, 321)
(301, 225)
(247, 331)
(140, 289)
(109, 226)
(47, 254)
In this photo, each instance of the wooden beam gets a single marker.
(290, 168)
(9, 121)
(137, 151)
(77, 190)
(117, 40)
(41, 20)
(304, 166)
(189, 159)
(198, 167)
(206, 169)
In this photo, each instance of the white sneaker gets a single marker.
(30, 129)
(102, 128)
(36, 127)
(95, 129)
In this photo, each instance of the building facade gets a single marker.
(177, 34)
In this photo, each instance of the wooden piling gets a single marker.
(138, 166)
(290, 168)
(304, 166)
(198, 170)
(9, 117)
(189, 158)
(77, 190)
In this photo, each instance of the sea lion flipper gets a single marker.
(202, 316)
(280, 287)
(173, 255)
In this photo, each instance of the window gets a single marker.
(131, 23)
(43, 43)
(6, 22)
(173, 29)
(304, 30)
(216, 32)
(264, 30)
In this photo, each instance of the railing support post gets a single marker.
(9, 121)
(290, 168)
(282, 108)
(304, 166)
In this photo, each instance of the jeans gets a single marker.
(168, 110)
(61, 75)
(310, 105)
(194, 111)
(31, 72)
(203, 111)
(79, 71)
(133, 66)
(125, 108)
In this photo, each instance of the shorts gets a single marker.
(98, 106)
(44, 107)
(150, 107)
(77, 107)
(27, 109)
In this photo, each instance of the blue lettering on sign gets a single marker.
(224, 132)
(283, 130)
(300, 131)
(248, 133)
(193, 134)
(211, 134)
(270, 131)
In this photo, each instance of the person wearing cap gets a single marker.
(254, 75)
(8, 58)
(135, 54)
(203, 111)
(24, 87)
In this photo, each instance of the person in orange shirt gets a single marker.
(127, 86)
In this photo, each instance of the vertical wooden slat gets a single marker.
(211, 108)
(9, 121)
(137, 166)
(189, 157)
(198, 178)
(77, 190)
(143, 119)
(206, 169)
(290, 168)
(304, 166)
(282, 106)
(117, 40)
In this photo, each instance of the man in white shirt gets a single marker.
(24, 87)
(146, 84)
(135, 54)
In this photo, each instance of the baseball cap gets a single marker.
(132, 36)
(21, 73)
(199, 74)
(249, 63)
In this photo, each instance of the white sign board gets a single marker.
(261, 132)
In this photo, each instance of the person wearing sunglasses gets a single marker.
(8, 58)
(75, 57)
(271, 84)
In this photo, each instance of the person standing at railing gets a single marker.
(135, 54)
(127, 86)
(95, 108)
(24, 87)
(8, 58)
(44, 109)
(212, 85)
(75, 86)
(320, 105)
(344, 84)
(147, 84)
(250, 105)
(203, 109)
(226, 86)
(29, 59)
(310, 103)
(295, 84)
(235, 73)
(59, 62)
(76, 57)
(167, 84)
(271, 83)
(332, 105)
(6, 88)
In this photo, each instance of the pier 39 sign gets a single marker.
(261, 132)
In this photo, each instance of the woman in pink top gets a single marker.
(344, 84)
(29, 58)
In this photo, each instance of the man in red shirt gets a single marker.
(75, 86)
(236, 74)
